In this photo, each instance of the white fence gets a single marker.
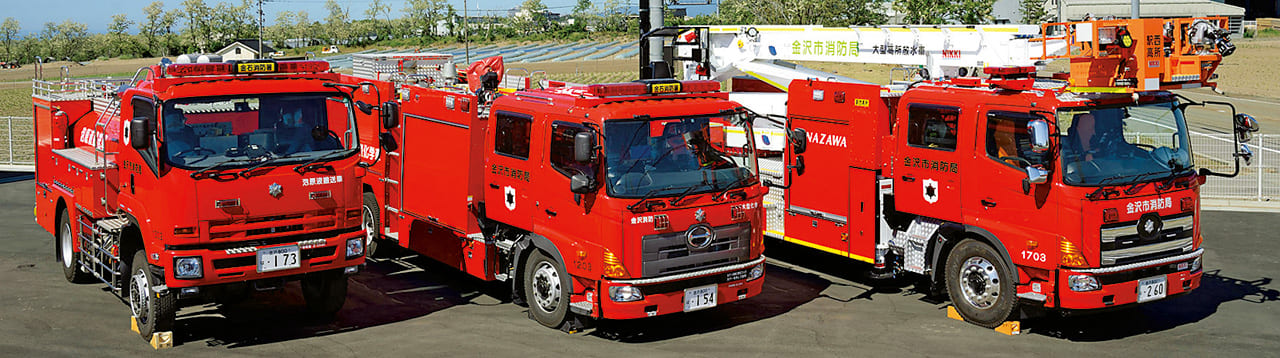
(17, 144)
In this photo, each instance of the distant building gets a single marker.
(243, 49)
(1075, 10)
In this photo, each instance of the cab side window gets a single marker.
(561, 155)
(144, 108)
(933, 127)
(512, 134)
(1007, 139)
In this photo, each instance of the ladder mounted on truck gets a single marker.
(1139, 54)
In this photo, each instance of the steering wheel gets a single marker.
(1144, 145)
(645, 180)
(193, 150)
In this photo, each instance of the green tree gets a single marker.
(337, 26)
(199, 25)
(121, 43)
(530, 18)
(9, 30)
(972, 11)
(379, 27)
(421, 17)
(1033, 11)
(156, 29)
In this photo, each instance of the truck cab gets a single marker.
(202, 180)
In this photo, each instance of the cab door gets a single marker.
(508, 173)
(999, 205)
(929, 162)
(562, 212)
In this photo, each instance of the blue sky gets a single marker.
(32, 14)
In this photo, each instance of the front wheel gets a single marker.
(546, 287)
(153, 312)
(370, 216)
(979, 283)
(325, 292)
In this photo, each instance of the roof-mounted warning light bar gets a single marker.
(1013, 78)
(245, 67)
(652, 87)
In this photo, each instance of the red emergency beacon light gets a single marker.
(652, 87)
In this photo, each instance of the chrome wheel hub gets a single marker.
(139, 295)
(546, 287)
(64, 243)
(979, 282)
(370, 228)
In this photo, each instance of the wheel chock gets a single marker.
(159, 340)
(1008, 328)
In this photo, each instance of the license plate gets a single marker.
(699, 298)
(1150, 289)
(279, 258)
(255, 67)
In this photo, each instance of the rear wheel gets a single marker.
(154, 313)
(979, 283)
(546, 288)
(325, 292)
(67, 255)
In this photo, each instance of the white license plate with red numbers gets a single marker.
(699, 298)
(1154, 288)
(279, 258)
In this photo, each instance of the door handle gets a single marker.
(908, 178)
(494, 186)
(988, 203)
(549, 212)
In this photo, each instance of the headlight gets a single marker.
(756, 272)
(625, 293)
(188, 267)
(355, 247)
(1083, 283)
(1195, 264)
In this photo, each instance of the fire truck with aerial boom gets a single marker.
(193, 180)
(611, 201)
(1075, 192)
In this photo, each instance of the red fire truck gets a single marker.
(1075, 192)
(202, 179)
(610, 201)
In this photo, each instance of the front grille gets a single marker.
(1122, 245)
(670, 253)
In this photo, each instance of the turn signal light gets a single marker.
(184, 231)
(1071, 255)
(1188, 203)
(613, 266)
(354, 213)
(1110, 215)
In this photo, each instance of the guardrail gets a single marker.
(17, 144)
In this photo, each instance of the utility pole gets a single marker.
(1133, 9)
(260, 20)
(466, 35)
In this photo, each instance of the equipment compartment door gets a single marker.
(817, 207)
(927, 169)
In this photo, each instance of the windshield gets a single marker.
(201, 132)
(671, 156)
(1123, 144)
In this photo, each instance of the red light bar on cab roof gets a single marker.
(245, 67)
(1009, 70)
(657, 87)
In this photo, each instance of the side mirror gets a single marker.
(799, 166)
(580, 184)
(139, 133)
(583, 144)
(364, 107)
(799, 140)
(1245, 126)
(1037, 174)
(390, 115)
(387, 142)
(1038, 130)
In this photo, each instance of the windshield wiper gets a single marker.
(734, 185)
(304, 167)
(652, 192)
(684, 193)
(196, 174)
(266, 159)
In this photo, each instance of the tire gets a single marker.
(371, 216)
(67, 255)
(980, 284)
(153, 314)
(325, 292)
(546, 289)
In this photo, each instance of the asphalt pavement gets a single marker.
(813, 304)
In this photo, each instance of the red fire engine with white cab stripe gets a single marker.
(612, 201)
(202, 179)
(1074, 192)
